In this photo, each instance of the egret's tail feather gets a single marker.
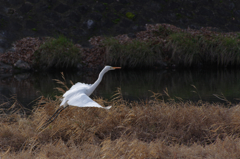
(108, 107)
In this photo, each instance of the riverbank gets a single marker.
(161, 46)
(147, 129)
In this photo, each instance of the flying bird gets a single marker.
(78, 95)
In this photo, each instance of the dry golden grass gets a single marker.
(149, 129)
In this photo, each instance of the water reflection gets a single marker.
(135, 84)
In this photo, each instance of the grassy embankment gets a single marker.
(147, 129)
(161, 45)
(175, 46)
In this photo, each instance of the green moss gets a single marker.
(2, 22)
(178, 15)
(163, 31)
(130, 15)
(34, 29)
(116, 20)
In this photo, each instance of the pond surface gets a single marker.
(134, 84)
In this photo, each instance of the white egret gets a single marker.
(78, 95)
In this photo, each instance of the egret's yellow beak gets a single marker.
(116, 68)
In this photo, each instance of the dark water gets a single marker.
(135, 84)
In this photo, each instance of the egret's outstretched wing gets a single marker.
(77, 88)
(82, 100)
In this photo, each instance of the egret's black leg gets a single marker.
(53, 117)
(59, 109)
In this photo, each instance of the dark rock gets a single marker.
(154, 6)
(124, 1)
(232, 27)
(109, 23)
(48, 26)
(75, 17)
(11, 11)
(15, 2)
(83, 9)
(16, 26)
(33, 1)
(126, 23)
(237, 12)
(117, 7)
(223, 12)
(22, 76)
(53, 15)
(4, 68)
(26, 7)
(3, 42)
(3, 22)
(64, 24)
(106, 1)
(52, 2)
(42, 7)
(100, 7)
(30, 24)
(131, 35)
(62, 8)
(96, 16)
(205, 11)
(22, 65)
(71, 2)
(2, 50)
(231, 6)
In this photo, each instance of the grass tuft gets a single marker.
(131, 54)
(58, 53)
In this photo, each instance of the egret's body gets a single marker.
(78, 94)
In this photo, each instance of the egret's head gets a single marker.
(111, 68)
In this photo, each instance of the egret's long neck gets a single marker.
(96, 83)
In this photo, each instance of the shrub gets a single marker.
(131, 54)
(188, 49)
(58, 53)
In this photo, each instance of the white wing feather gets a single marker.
(77, 88)
(82, 100)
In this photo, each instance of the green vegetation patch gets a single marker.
(58, 53)
(173, 45)
(191, 49)
(135, 53)
(130, 15)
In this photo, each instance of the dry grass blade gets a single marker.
(118, 95)
(63, 76)
(5, 153)
(196, 91)
(222, 97)
(63, 83)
